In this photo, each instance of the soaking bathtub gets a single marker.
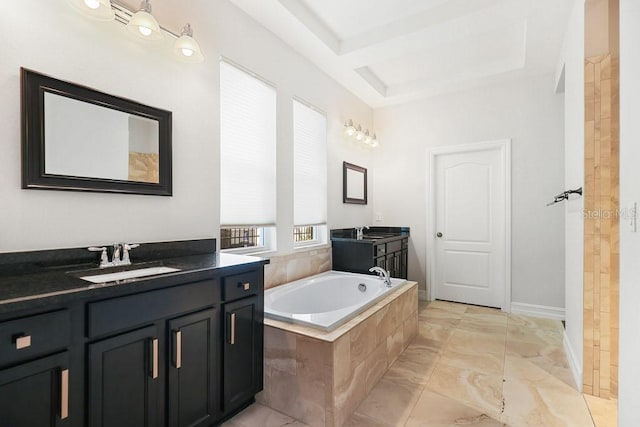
(327, 300)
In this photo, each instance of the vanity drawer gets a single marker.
(240, 285)
(394, 246)
(131, 311)
(380, 250)
(34, 336)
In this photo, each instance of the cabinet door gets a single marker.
(391, 265)
(242, 359)
(125, 377)
(192, 372)
(36, 393)
(404, 264)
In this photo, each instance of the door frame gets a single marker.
(504, 147)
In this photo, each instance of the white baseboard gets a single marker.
(576, 368)
(534, 310)
(422, 294)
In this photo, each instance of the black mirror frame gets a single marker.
(346, 166)
(34, 85)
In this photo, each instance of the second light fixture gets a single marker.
(359, 135)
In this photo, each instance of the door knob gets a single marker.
(439, 234)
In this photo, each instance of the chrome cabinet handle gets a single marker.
(245, 286)
(64, 394)
(23, 341)
(177, 338)
(154, 358)
(233, 329)
(439, 234)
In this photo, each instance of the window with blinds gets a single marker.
(309, 172)
(247, 150)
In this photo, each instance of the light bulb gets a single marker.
(367, 137)
(359, 133)
(143, 24)
(374, 141)
(349, 128)
(100, 10)
(145, 31)
(186, 48)
(92, 4)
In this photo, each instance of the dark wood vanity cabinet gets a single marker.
(184, 355)
(387, 248)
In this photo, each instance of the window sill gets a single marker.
(311, 247)
(256, 251)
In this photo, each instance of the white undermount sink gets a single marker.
(130, 274)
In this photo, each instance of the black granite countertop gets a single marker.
(373, 235)
(35, 279)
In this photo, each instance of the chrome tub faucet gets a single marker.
(384, 274)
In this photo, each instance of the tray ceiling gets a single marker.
(393, 51)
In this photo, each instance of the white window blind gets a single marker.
(247, 149)
(309, 166)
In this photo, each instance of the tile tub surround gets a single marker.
(288, 268)
(320, 377)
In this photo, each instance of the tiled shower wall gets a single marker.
(601, 226)
(287, 268)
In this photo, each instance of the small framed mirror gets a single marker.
(77, 138)
(354, 184)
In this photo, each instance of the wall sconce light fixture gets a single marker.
(359, 135)
(142, 24)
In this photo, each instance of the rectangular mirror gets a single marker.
(354, 184)
(76, 138)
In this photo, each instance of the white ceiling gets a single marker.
(394, 51)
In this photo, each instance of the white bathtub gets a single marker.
(326, 300)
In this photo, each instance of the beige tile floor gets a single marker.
(470, 366)
(603, 411)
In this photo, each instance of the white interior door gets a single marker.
(470, 226)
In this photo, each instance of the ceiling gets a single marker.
(394, 51)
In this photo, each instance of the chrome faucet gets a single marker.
(359, 231)
(120, 254)
(384, 274)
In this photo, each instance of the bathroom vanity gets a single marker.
(184, 348)
(385, 247)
